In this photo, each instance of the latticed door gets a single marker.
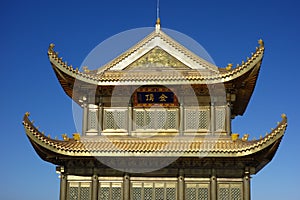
(195, 191)
(110, 191)
(79, 191)
(153, 191)
(231, 191)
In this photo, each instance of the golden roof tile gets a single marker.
(157, 146)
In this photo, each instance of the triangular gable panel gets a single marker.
(157, 58)
(153, 44)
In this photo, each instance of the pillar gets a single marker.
(95, 186)
(213, 186)
(100, 119)
(181, 117)
(181, 186)
(63, 187)
(212, 118)
(228, 118)
(129, 121)
(84, 119)
(246, 180)
(126, 187)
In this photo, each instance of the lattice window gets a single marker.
(73, 193)
(153, 191)
(159, 193)
(79, 191)
(110, 191)
(204, 119)
(220, 113)
(109, 119)
(231, 191)
(136, 192)
(148, 193)
(190, 120)
(203, 193)
(115, 119)
(92, 119)
(120, 119)
(172, 119)
(236, 194)
(85, 192)
(139, 119)
(156, 119)
(150, 119)
(224, 194)
(197, 118)
(195, 191)
(191, 194)
(161, 119)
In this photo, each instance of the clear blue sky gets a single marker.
(228, 30)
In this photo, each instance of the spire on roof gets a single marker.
(157, 26)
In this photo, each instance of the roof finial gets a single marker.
(157, 26)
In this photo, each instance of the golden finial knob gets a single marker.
(158, 21)
(261, 43)
(229, 66)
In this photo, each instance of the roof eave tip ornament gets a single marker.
(157, 26)
(261, 43)
(50, 49)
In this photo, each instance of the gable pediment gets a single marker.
(157, 58)
(158, 50)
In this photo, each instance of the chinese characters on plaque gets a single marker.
(149, 96)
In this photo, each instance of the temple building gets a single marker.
(157, 125)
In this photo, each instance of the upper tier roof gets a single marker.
(160, 60)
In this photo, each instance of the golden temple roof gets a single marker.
(185, 146)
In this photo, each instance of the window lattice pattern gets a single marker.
(148, 193)
(92, 120)
(79, 191)
(220, 118)
(139, 119)
(115, 119)
(190, 122)
(120, 119)
(236, 194)
(203, 116)
(224, 194)
(161, 119)
(170, 193)
(73, 193)
(172, 119)
(190, 194)
(84, 193)
(197, 119)
(104, 193)
(153, 191)
(110, 191)
(232, 191)
(159, 193)
(136, 193)
(109, 120)
(150, 119)
(156, 119)
(116, 193)
(203, 193)
(197, 191)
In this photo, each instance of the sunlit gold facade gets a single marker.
(157, 125)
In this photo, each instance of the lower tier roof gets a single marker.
(157, 146)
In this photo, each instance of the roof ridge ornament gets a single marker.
(157, 26)
(261, 43)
